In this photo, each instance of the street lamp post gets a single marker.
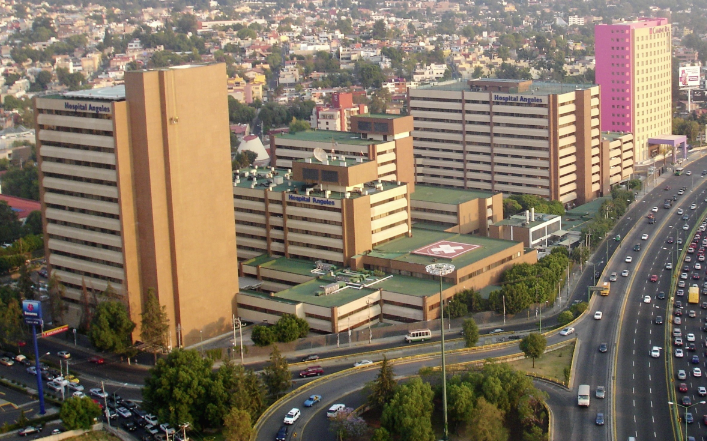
(441, 270)
(368, 306)
(686, 409)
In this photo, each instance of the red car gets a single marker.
(96, 360)
(683, 387)
(654, 278)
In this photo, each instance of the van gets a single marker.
(583, 395)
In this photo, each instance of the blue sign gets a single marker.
(32, 311)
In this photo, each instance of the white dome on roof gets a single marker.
(253, 143)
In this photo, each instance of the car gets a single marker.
(56, 387)
(693, 207)
(601, 392)
(363, 363)
(677, 332)
(695, 276)
(63, 354)
(686, 401)
(679, 353)
(567, 331)
(654, 209)
(72, 378)
(600, 419)
(692, 314)
(655, 352)
(612, 277)
(312, 357)
(151, 419)
(75, 387)
(698, 266)
(702, 391)
(690, 337)
(646, 299)
(683, 276)
(312, 400)
(677, 321)
(32, 370)
(29, 430)
(688, 259)
(680, 212)
(96, 360)
(679, 241)
(696, 372)
(668, 266)
(644, 236)
(686, 268)
(598, 315)
(691, 347)
(96, 392)
(678, 342)
(682, 387)
(654, 278)
(129, 426)
(603, 347)
(123, 412)
(281, 434)
(689, 419)
(681, 284)
(637, 247)
(78, 394)
(670, 239)
(682, 375)
(6, 361)
(624, 273)
(703, 305)
(628, 259)
(617, 238)
(312, 371)
(659, 320)
(57, 431)
(497, 331)
(686, 227)
(292, 416)
(695, 359)
(152, 429)
(334, 410)
(167, 429)
(685, 216)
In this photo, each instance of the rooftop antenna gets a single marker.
(320, 154)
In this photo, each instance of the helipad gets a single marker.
(446, 249)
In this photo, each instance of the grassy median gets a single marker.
(551, 365)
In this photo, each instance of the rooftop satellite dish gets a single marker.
(320, 154)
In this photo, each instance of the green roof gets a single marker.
(293, 266)
(412, 286)
(428, 193)
(575, 218)
(330, 137)
(401, 249)
(267, 296)
(540, 88)
(519, 219)
(306, 293)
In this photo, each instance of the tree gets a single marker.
(244, 159)
(381, 435)
(409, 413)
(487, 423)
(79, 413)
(461, 402)
(565, 317)
(471, 332)
(11, 324)
(369, 74)
(263, 335)
(22, 182)
(298, 125)
(511, 207)
(456, 307)
(111, 327)
(290, 327)
(56, 292)
(10, 226)
(533, 346)
(276, 375)
(240, 388)
(237, 425)
(177, 388)
(346, 425)
(379, 30)
(33, 223)
(187, 23)
(25, 284)
(383, 388)
(578, 308)
(154, 324)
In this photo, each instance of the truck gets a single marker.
(605, 287)
(583, 395)
(693, 295)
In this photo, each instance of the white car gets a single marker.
(628, 259)
(668, 266)
(696, 372)
(624, 273)
(151, 419)
(679, 353)
(567, 331)
(693, 207)
(646, 299)
(75, 387)
(655, 352)
(680, 211)
(54, 386)
(698, 266)
(683, 276)
(702, 391)
(125, 413)
(98, 393)
(63, 354)
(362, 363)
(78, 394)
(686, 227)
(644, 237)
(165, 427)
(654, 209)
(690, 337)
(682, 375)
(335, 409)
(598, 315)
(292, 416)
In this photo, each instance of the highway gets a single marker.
(641, 385)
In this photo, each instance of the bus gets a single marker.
(678, 171)
(605, 289)
(693, 295)
(583, 395)
(418, 335)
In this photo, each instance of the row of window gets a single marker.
(85, 243)
(76, 130)
(87, 259)
(68, 145)
(80, 179)
(85, 274)
(83, 211)
(83, 227)
(94, 115)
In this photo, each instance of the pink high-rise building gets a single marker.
(633, 68)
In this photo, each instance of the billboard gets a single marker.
(699, 96)
(32, 312)
(689, 76)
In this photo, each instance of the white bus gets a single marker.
(418, 335)
(583, 395)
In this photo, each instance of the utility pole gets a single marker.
(184, 431)
(105, 402)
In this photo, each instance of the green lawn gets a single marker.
(551, 364)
